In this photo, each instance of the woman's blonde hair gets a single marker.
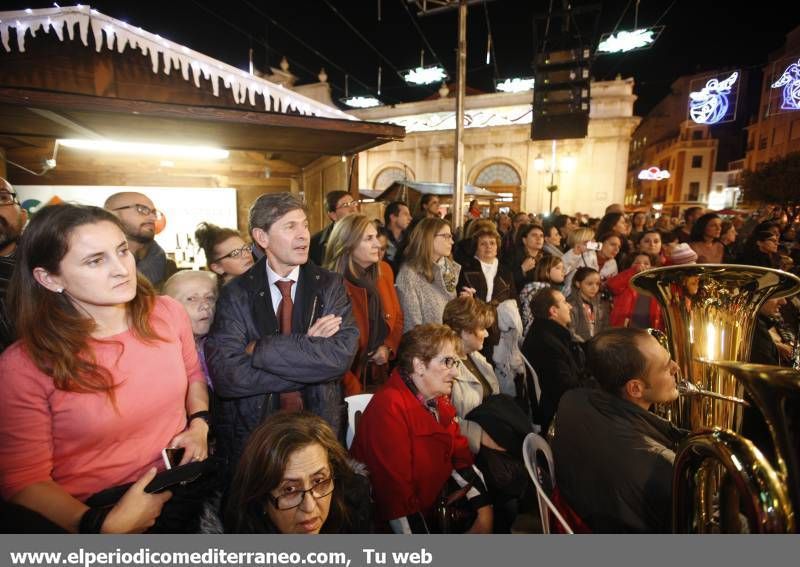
(419, 252)
(345, 238)
(579, 235)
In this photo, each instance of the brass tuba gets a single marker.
(721, 478)
(710, 313)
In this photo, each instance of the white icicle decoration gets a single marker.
(192, 65)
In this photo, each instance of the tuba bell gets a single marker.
(710, 313)
(722, 482)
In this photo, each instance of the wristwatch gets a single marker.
(203, 414)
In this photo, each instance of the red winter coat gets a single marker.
(408, 453)
(625, 299)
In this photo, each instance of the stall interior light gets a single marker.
(146, 149)
(425, 75)
(361, 101)
(515, 85)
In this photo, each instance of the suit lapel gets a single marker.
(264, 315)
(307, 286)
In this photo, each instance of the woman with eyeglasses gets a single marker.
(427, 278)
(410, 441)
(227, 254)
(104, 376)
(294, 477)
(353, 250)
(761, 249)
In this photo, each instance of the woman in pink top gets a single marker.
(102, 378)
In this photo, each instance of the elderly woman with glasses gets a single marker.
(294, 477)
(410, 441)
(227, 254)
(427, 279)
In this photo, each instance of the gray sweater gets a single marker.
(423, 301)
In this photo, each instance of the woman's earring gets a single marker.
(60, 290)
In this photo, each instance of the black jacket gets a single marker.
(245, 385)
(316, 250)
(472, 276)
(614, 462)
(558, 361)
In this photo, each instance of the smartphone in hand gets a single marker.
(172, 456)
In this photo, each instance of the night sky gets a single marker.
(700, 35)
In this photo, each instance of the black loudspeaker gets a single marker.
(561, 94)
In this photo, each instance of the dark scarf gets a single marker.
(377, 323)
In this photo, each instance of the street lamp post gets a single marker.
(567, 165)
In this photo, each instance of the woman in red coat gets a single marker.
(630, 308)
(353, 250)
(410, 442)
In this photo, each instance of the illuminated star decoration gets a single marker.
(627, 41)
(425, 75)
(654, 174)
(790, 81)
(710, 104)
(515, 85)
(361, 101)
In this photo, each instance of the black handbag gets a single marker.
(190, 485)
(453, 513)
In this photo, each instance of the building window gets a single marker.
(762, 143)
(697, 161)
(388, 176)
(498, 174)
(697, 134)
(694, 191)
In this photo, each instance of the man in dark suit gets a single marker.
(338, 204)
(557, 359)
(284, 333)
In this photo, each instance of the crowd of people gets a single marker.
(112, 360)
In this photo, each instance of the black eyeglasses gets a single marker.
(349, 204)
(236, 252)
(293, 499)
(7, 198)
(450, 362)
(143, 210)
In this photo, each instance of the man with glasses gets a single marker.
(138, 216)
(12, 221)
(339, 204)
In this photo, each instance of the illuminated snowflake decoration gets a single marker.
(790, 81)
(515, 85)
(627, 41)
(710, 104)
(425, 75)
(654, 174)
(361, 101)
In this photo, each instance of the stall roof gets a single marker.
(76, 73)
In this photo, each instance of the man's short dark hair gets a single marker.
(689, 212)
(268, 208)
(423, 202)
(560, 221)
(614, 357)
(542, 302)
(332, 199)
(392, 209)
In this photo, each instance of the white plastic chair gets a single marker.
(536, 387)
(355, 407)
(532, 445)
